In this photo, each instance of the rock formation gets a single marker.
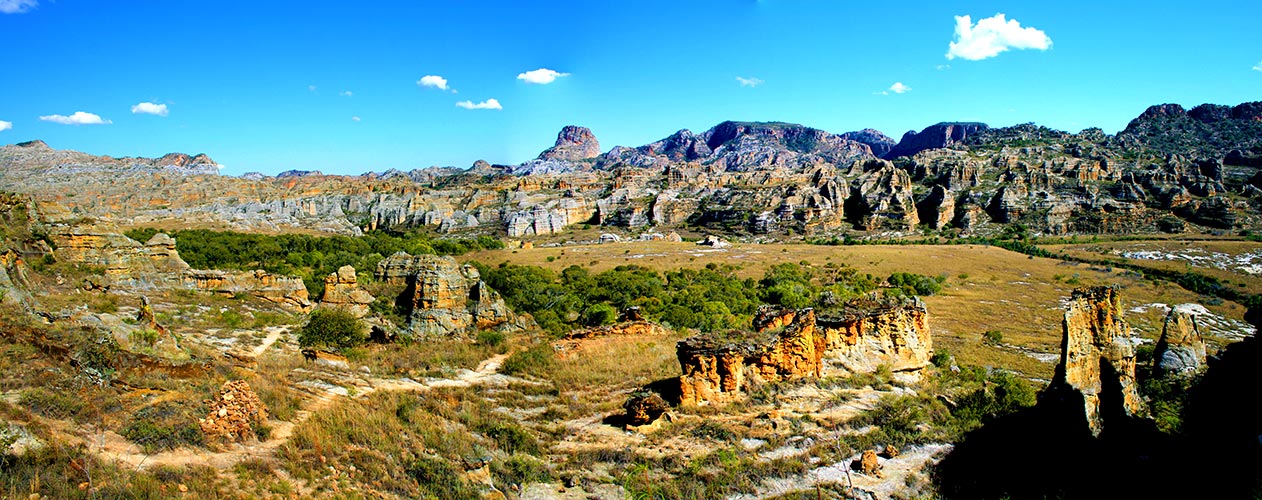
(573, 143)
(1097, 362)
(341, 289)
(1181, 349)
(284, 290)
(447, 299)
(644, 408)
(858, 338)
(630, 327)
(234, 413)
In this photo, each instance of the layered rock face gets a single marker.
(1180, 351)
(122, 257)
(788, 344)
(1098, 357)
(448, 299)
(284, 290)
(341, 289)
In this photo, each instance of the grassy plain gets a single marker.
(987, 288)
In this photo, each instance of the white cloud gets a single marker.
(311, 88)
(899, 88)
(434, 81)
(354, 118)
(17, 6)
(942, 67)
(149, 108)
(345, 93)
(749, 82)
(541, 76)
(1257, 67)
(991, 36)
(78, 118)
(5, 125)
(487, 104)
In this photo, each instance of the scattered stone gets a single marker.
(644, 408)
(870, 464)
(234, 413)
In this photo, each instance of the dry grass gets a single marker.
(987, 288)
(1251, 283)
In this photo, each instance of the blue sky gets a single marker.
(333, 86)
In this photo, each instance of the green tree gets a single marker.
(332, 328)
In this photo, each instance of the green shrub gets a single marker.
(993, 336)
(511, 438)
(941, 359)
(600, 315)
(519, 470)
(332, 328)
(440, 480)
(490, 338)
(53, 404)
(533, 360)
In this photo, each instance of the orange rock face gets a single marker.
(284, 290)
(1097, 352)
(341, 289)
(789, 345)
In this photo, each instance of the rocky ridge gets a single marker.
(447, 299)
(1171, 170)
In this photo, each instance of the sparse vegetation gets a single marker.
(332, 328)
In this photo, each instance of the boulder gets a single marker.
(1180, 351)
(1097, 363)
(341, 289)
(644, 408)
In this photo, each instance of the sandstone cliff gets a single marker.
(1097, 360)
(1181, 349)
(788, 344)
(447, 299)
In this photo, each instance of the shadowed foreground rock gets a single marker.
(788, 344)
(1098, 354)
(1061, 448)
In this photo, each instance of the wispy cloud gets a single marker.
(17, 6)
(749, 82)
(434, 81)
(5, 125)
(541, 76)
(487, 104)
(78, 118)
(991, 36)
(896, 88)
(1257, 67)
(311, 88)
(346, 93)
(354, 118)
(942, 67)
(149, 108)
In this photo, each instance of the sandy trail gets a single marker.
(112, 446)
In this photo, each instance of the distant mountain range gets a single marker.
(1170, 170)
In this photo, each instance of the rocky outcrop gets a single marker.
(573, 143)
(882, 198)
(447, 299)
(787, 344)
(644, 408)
(234, 414)
(341, 289)
(631, 327)
(284, 290)
(121, 257)
(1180, 351)
(933, 137)
(1097, 363)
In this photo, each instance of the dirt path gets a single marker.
(112, 446)
(273, 335)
